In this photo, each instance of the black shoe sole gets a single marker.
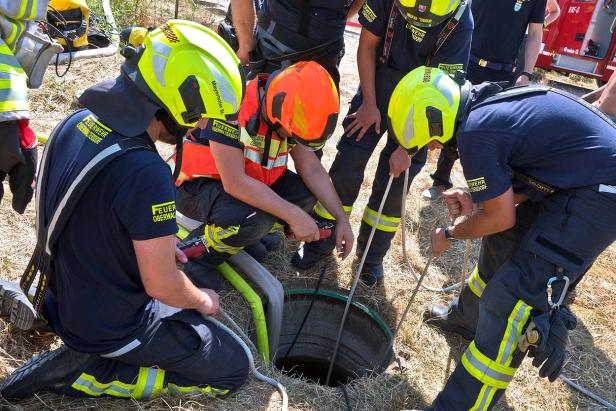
(21, 375)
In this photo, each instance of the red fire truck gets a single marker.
(581, 41)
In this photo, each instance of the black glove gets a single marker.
(17, 162)
(554, 332)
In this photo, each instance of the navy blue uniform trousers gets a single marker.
(347, 174)
(182, 354)
(565, 232)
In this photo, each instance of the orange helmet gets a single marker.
(303, 101)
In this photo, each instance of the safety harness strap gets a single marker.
(48, 232)
(446, 31)
(444, 34)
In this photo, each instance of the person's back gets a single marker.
(97, 301)
(106, 250)
(544, 140)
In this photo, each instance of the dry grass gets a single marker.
(427, 357)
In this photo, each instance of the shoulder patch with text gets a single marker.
(225, 129)
(163, 211)
(368, 13)
(417, 33)
(477, 184)
(450, 68)
(93, 129)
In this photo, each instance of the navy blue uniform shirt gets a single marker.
(412, 45)
(326, 21)
(548, 137)
(96, 301)
(500, 26)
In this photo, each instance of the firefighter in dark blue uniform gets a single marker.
(106, 254)
(545, 183)
(395, 38)
(288, 31)
(500, 28)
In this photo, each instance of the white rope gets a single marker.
(404, 247)
(253, 368)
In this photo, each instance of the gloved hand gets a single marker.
(18, 158)
(551, 351)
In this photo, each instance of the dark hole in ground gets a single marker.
(314, 370)
(362, 346)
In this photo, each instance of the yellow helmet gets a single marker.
(424, 107)
(427, 13)
(189, 71)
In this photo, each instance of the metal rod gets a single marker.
(408, 306)
(177, 9)
(355, 281)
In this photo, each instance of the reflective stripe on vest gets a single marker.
(197, 159)
(13, 87)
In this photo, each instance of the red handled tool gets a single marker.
(326, 229)
(193, 248)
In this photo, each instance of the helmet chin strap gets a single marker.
(178, 132)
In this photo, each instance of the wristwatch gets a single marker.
(527, 74)
(448, 235)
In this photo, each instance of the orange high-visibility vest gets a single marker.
(265, 152)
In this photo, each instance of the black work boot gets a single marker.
(372, 275)
(272, 241)
(47, 371)
(15, 305)
(447, 319)
(257, 250)
(306, 257)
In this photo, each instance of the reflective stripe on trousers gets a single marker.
(321, 211)
(386, 223)
(476, 283)
(149, 384)
(496, 373)
(214, 236)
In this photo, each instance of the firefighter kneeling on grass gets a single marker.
(235, 179)
(106, 228)
(541, 166)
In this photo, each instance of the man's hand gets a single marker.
(344, 238)
(439, 243)
(242, 54)
(398, 162)
(180, 257)
(522, 80)
(18, 158)
(367, 115)
(211, 302)
(459, 203)
(303, 227)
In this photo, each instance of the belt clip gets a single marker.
(483, 63)
(556, 305)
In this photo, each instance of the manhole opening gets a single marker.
(362, 347)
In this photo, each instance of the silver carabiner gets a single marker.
(555, 305)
